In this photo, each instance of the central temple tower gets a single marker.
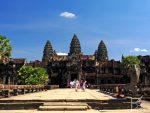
(75, 47)
(74, 59)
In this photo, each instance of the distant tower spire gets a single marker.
(102, 54)
(75, 47)
(122, 57)
(48, 52)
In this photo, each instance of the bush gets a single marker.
(32, 76)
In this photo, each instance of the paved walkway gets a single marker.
(71, 94)
(62, 94)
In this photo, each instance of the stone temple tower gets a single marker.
(102, 54)
(75, 47)
(48, 52)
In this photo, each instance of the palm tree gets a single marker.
(5, 48)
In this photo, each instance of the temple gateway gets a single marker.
(96, 69)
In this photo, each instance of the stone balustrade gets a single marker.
(13, 90)
(111, 87)
(116, 90)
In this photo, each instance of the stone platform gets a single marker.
(57, 97)
(62, 94)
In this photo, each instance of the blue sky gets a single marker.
(122, 24)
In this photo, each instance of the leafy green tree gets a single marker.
(32, 76)
(132, 66)
(24, 72)
(129, 62)
(5, 48)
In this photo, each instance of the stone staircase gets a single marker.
(66, 104)
(61, 106)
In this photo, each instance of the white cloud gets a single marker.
(144, 50)
(60, 53)
(67, 15)
(139, 50)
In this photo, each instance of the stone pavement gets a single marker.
(62, 94)
(88, 111)
(71, 94)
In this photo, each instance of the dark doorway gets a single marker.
(54, 81)
(74, 76)
(141, 78)
(90, 81)
(6, 80)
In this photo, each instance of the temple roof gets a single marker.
(37, 63)
(60, 58)
(87, 57)
(19, 60)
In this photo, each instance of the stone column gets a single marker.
(15, 91)
(80, 73)
(4, 79)
(106, 70)
(23, 91)
(79, 76)
(49, 81)
(6, 93)
(68, 77)
(9, 80)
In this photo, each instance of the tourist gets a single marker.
(76, 85)
(71, 84)
(84, 85)
(81, 83)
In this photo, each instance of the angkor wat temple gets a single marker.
(95, 69)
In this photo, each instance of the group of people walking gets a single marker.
(78, 84)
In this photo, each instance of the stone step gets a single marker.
(61, 108)
(64, 104)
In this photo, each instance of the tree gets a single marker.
(129, 62)
(5, 48)
(132, 66)
(32, 76)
